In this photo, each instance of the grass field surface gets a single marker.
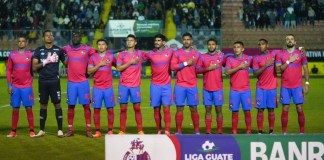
(79, 147)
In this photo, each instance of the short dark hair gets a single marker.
(23, 35)
(290, 35)
(46, 32)
(212, 39)
(239, 42)
(132, 36)
(264, 40)
(102, 40)
(163, 38)
(187, 34)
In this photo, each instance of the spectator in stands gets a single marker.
(314, 69)
(311, 16)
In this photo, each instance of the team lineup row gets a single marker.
(82, 60)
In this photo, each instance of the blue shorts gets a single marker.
(106, 95)
(181, 93)
(213, 97)
(160, 95)
(265, 99)
(24, 95)
(237, 97)
(296, 93)
(80, 90)
(125, 92)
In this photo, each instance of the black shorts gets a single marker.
(49, 88)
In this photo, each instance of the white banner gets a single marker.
(143, 147)
(120, 28)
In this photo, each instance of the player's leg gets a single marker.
(207, 100)
(135, 96)
(28, 102)
(193, 101)
(71, 101)
(15, 100)
(179, 100)
(298, 97)
(43, 90)
(218, 97)
(109, 100)
(97, 98)
(246, 100)
(55, 94)
(83, 90)
(166, 102)
(271, 105)
(260, 104)
(285, 96)
(234, 106)
(156, 97)
(123, 94)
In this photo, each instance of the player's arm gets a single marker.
(306, 75)
(230, 71)
(259, 71)
(9, 74)
(36, 65)
(92, 69)
(122, 67)
(290, 60)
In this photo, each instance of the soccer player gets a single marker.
(20, 81)
(129, 63)
(266, 86)
(160, 89)
(210, 64)
(78, 85)
(100, 65)
(291, 62)
(240, 93)
(184, 62)
(46, 63)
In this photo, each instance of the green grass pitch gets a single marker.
(80, 147)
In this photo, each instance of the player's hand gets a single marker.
(306, 89)
(54, 58)
(134, 60)
(293, 58)
(47, 60)
(244, 65)
(212, 66)
(10, 90)
(103, 63)
(190, 62)
(303, 50)
(269, 62)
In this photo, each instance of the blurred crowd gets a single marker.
(262, 14)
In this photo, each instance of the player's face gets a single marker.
(263, 46)
(76, 39)
(131, 42)
(238, 49)
(22, 43)
(290, 40)
(187, 42)
(48, 37)
(102, 46)
(158, 43)
(212, 46)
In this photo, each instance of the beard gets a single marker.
(290, 45)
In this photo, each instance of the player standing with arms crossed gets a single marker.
(210, 64)
(290, 63)
(20, 81)
(100, 65)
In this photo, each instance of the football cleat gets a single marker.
(121, 132)
(60, 133)
(69, 134)
(159, 132)
(167, 132)
(110, 132)
(12, 134)
(41, 133)
(97, 134)
(89, 134)
(31, 134)
(140, 132)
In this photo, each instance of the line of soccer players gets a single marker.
(82, 60)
